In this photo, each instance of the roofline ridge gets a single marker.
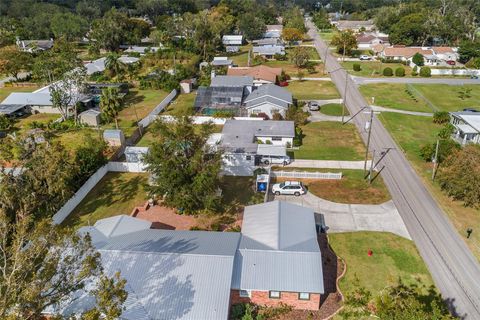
(169, 253)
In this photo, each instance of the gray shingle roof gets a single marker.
(239, 135)
(278, 250)
(276, 94)
(232, 81)
(269, 50)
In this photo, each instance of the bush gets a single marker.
(425, 72)
(418, 59)
(441, 117)
(445, 149)
(446, 131)
(280, 57)
(357, 67)
(400, 72)
(388, 72)
(277, 116)
(415, 71)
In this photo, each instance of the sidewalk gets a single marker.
(327, 164)
(413, 113)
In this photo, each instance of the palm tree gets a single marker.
(110, 104)
(113, 64)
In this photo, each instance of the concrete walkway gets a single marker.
(327, 164)
(340, 217)
(413, 113)
(450, 81)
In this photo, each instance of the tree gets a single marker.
(13, 61)
(110, 104)
(252, 26)
(410, 30)
(460, 175)
(441, 117)
(300, 57)
(67, 93)
(418, 59)
(292, 35)
(468, 50)
(52, 64)
(388, 72)
(293, 18)
(69, 26)
(113, 65)
(321, 21)
(89, 158)
(111, 31)
(445, 148)
(345, 42)
(184, 167)
(5, 123)
(42, 266)
(400, 72)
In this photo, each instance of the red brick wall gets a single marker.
(290, 298)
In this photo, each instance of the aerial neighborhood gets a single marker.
(239, 159)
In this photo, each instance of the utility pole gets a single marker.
(344, 105)
(435, 160)
(371, 168)
(368, 126)
(325, 60)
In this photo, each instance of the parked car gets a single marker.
(295, 188)
(275, 160)
(470, 110)
(365, 57)
(313, 106)
(451, 62)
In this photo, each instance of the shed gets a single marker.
(186, 86)
(114, 137)
(135, 154)
(91, 117)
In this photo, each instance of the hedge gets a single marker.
(425, 72)
(400, 72)
(388, 72)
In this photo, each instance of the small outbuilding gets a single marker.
(135, 154)
(91, 117)
(114, 137)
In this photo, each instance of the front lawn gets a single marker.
(393, 258)
(312, 52)
(330, 141)
(411, 133)
(373, 68)
(451, 98)
(313, 90)
(395, 96)
(117, 193)
(182, 105)
(333, 109)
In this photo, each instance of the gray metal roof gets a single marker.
(28, 98)
(239, 135)
(10, 108)
(170, 274)
(269, 50)
(278, 250)
(120, 225)
(232, 81)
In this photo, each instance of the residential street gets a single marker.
(450, 81)
(455, 270)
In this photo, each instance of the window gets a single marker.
(249, 158)
(274, 294)
(276, 138)
(304, 296)
(245, 293)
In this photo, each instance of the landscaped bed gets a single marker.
(313, 90)
(330, 141)
(116, 193)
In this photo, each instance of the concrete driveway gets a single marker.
(340, 217)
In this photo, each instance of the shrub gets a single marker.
(268, 141)
(388, 72)
(425, 72)
(446, 131)
(415, 71)
(400, 72)
(277, 116)
(418, 59)
(280, 57)
(445, 149)
(441, 117)
(357, 67)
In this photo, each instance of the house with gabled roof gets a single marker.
(199, 274)
(467, 126)
(268, 99)
(261, 74)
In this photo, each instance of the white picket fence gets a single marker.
(145, 122)
(307, 175)
(207, 119)
(74, 201)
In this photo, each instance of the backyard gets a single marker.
(411, 133)
(313, 90)
(238, 192)
(116, 193)
(182, 105)
(422, 97)
(393, 258)
(330, 141)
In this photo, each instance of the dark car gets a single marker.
(470, 110)
(451, 62)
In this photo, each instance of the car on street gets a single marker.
(266, 160)
(365, 57)
(295, 188)
(313, 106)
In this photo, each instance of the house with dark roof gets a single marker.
(34, 45)
(199, 274)
(268, 99)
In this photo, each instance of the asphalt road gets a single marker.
(449, 81)
(455, 270)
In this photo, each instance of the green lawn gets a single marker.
(241, 58)
(24, 124)
(292, 70)
(137, 105)
(411, 133)
(312, 52)
(327, 36)
(395, 96)
(117, 193)
(182, 105)
(333, 109)
(5, 92)
(449, 98)
(313, 90)
(393, 257)
(373, 68)
(330, 141)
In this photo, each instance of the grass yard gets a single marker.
(75, 138)
(240, 58)
(312, 52)
(292, 70)
(23, 124)
(5, 91)
(395, 96)
(393, 257)
(137, 105)
(313, 90)
(327, 36)
(330, 141)
(182, 105)
(411, 132)
(352, 188)
(373, 68)
(333, 109)
(117, 193)
(238, 192)
(449, 98)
